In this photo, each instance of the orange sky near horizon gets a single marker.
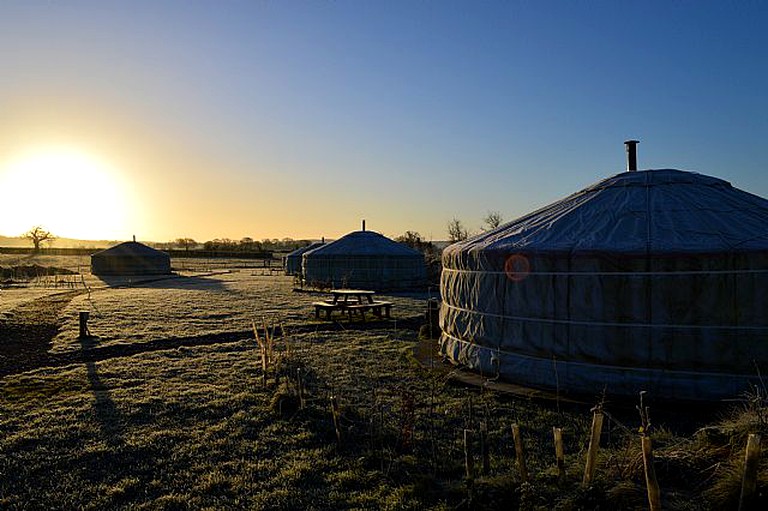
(164, 191)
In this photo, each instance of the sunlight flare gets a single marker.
(70, 193)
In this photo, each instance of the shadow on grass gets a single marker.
(173, 281)
(104, 407)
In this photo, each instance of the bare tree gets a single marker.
(410, 238)
(248, 244)
(220, 244)
(37, 235)
(457, 231)
(185, 243)
(492, 220)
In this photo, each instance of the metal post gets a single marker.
(631, 146)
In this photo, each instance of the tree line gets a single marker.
(245, 244)
(456, 232)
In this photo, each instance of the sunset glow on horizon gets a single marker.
(272, 120)
(69, 192)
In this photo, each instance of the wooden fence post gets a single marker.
(594, 445)
(749, 482)
(519, 452)
(654, 493)
(559, 453)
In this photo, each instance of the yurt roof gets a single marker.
(364, 243)
(300, 251)
(132, 249)
(650, 211)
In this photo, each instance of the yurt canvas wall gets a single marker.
(365, 259)
(130, 258)
(651, 280)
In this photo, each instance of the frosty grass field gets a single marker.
(166, 408)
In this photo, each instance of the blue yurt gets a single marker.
(292, 264)
(365, 259)
(648, 280)
(130, 258)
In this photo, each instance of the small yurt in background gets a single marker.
(365, 259)
(292, 264)
(648, 280)
(130, 258)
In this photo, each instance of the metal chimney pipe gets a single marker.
(631, 154)
(363, 224)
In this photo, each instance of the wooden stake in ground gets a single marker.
(262, 353)
(300, 388)
(654, 493)
(484, 451)
(749, 482)
(335, 413)
(594, 445)
(469, 460)
(269, 340)
(559, 453)
(652, 485)
(84, 332)
(519, 452)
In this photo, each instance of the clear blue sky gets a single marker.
(275, 119)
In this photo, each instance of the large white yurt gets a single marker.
(648, 280)
(130, 258)
(365, 259)
(292, 263)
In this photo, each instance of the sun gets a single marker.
(68, 192)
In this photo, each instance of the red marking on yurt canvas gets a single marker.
(517, 267)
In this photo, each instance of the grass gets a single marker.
(189, 428)
(193, 427)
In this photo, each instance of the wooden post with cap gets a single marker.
(84, 332)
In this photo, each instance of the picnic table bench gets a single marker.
(353, 302)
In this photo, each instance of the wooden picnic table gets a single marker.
(353, 301)
(357, 296)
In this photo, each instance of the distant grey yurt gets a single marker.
(648, 280)
(293, 260)
(365, 259)
(130, 258)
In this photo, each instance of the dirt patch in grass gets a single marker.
(26, 333)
